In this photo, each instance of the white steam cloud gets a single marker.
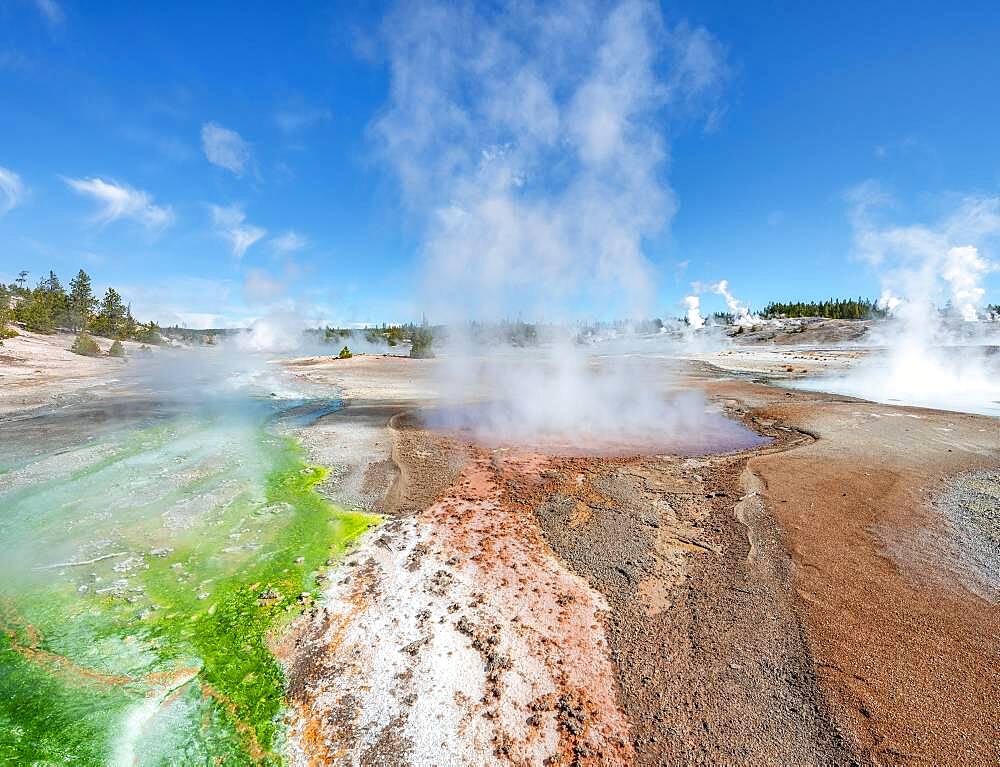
(693, 314)
(964, 270)
(276, 333)
(924, 266)
(739, 310)
(119, 201)
(530, 139)
(230, 223)
(934, 358)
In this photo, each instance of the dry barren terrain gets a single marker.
(775, 606)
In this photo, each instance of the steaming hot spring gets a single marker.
(679, 426)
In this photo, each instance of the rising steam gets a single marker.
(937, 353)
(693, 314)
(739, 310)
(927, 266)
(529, 139)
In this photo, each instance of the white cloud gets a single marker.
(230, 223)
(225, 148)
(122, 201)
(289, 242)
(924, 263)
(52, 11)
(12, 190)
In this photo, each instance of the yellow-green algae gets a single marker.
(177, 669)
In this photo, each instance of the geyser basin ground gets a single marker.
(768, 606)
(778, 605)
(151, 548)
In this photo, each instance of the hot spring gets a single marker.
(960, 379)
(153, 545)
(689, 431)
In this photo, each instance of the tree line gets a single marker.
(420, 337)
(391, 335)
(835, 309)
(49, 306)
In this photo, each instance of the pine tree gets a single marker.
(838, 309)
(148, 333)
(85, 345)
(421, 341)
(6, 313)
(129, 326)
(36, 311)
(56, 300)
(111, 316)
(81, 300)
(52, 284)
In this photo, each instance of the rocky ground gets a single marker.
(798, 331)
(768, 607)
(904, 650)
(830, 598)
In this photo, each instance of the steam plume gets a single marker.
(924, 265)
(694, 318)
(739, 310)
(529, 141)
(934, 359)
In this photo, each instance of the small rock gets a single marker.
(269, 597)
(160, 552)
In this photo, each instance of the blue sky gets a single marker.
(218, 161)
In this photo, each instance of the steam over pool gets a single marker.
(962, 379)
(684, 427)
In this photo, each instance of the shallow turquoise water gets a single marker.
(139, 535)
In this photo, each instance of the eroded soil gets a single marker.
(768, 607)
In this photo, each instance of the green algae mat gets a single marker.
(147, 564)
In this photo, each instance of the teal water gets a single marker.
(151, 551)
